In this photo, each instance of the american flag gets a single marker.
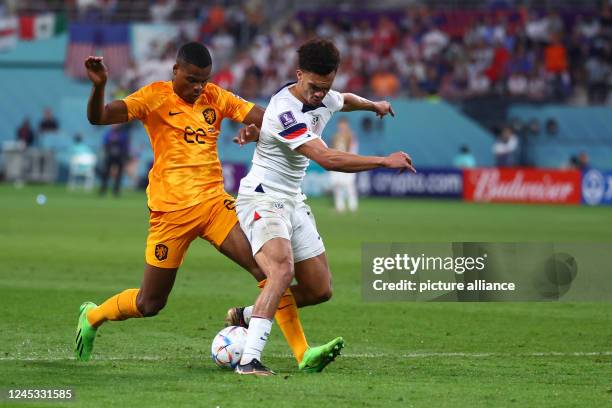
(108, 40)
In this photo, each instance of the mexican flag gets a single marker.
(41, 26)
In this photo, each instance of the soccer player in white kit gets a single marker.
(270, 206)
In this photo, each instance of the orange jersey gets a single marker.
(186, 165)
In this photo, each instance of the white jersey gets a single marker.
(278, 170)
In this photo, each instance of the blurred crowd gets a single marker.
(455, 54)
(419, 54)
(224, 28)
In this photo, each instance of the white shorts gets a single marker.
(264, 218)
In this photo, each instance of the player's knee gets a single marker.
(323, 294)
(286, 273)
(150, 307)
(283, 270)
(326, 295)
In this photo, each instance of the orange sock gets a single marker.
(289, 322)
(119, 307)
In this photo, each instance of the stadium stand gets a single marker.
(471, 65)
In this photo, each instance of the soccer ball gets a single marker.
(227, 346)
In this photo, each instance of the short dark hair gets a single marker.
(318, 56)
(194, 53)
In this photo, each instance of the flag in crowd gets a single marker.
(108, 40)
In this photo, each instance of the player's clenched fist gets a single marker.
(247, 134)
(399, 160)
(96, 70)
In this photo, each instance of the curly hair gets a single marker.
(318, 56)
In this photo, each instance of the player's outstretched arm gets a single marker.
(97, 112)
(255, 116)
(336, 160)
(354, 102)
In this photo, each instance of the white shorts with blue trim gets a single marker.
(263, 218)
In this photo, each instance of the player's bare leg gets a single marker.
(147, 301)
(314, 281)
(314, 286)
(286, 316)
(154, 290)
(276, 261)
(237, 248)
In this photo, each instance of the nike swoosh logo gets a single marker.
(174, 113)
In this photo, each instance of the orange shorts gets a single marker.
(170, 233)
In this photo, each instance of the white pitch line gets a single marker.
(348, 355)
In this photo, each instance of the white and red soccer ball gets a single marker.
(227, 346)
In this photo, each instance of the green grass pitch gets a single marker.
(79, 247)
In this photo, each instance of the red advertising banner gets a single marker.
(521, 185)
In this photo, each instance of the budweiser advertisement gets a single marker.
(521, 185)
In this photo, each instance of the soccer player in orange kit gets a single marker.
(186, 197)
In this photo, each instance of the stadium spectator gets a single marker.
(598, 74)
(583, 161)
(499, 64)
(223, 45)
(96, 10)
(579, 161)
(454, 85)
(132, 76)
(554, 23)
(555, 56)
(465, 158)
(82, 164)
(552, 127)
(605, 21)
(505, 148)
(224, 77)
(252, 10)
(78, 147)
(215, 18)
(48, 123)
(250, 86)
(555, 61)
(384, 83)
(25, 133)
(434, 41)
(116, 147)
(161, 10)
(587, 26)
(479, 84)
(518, 84)
(385, 36)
